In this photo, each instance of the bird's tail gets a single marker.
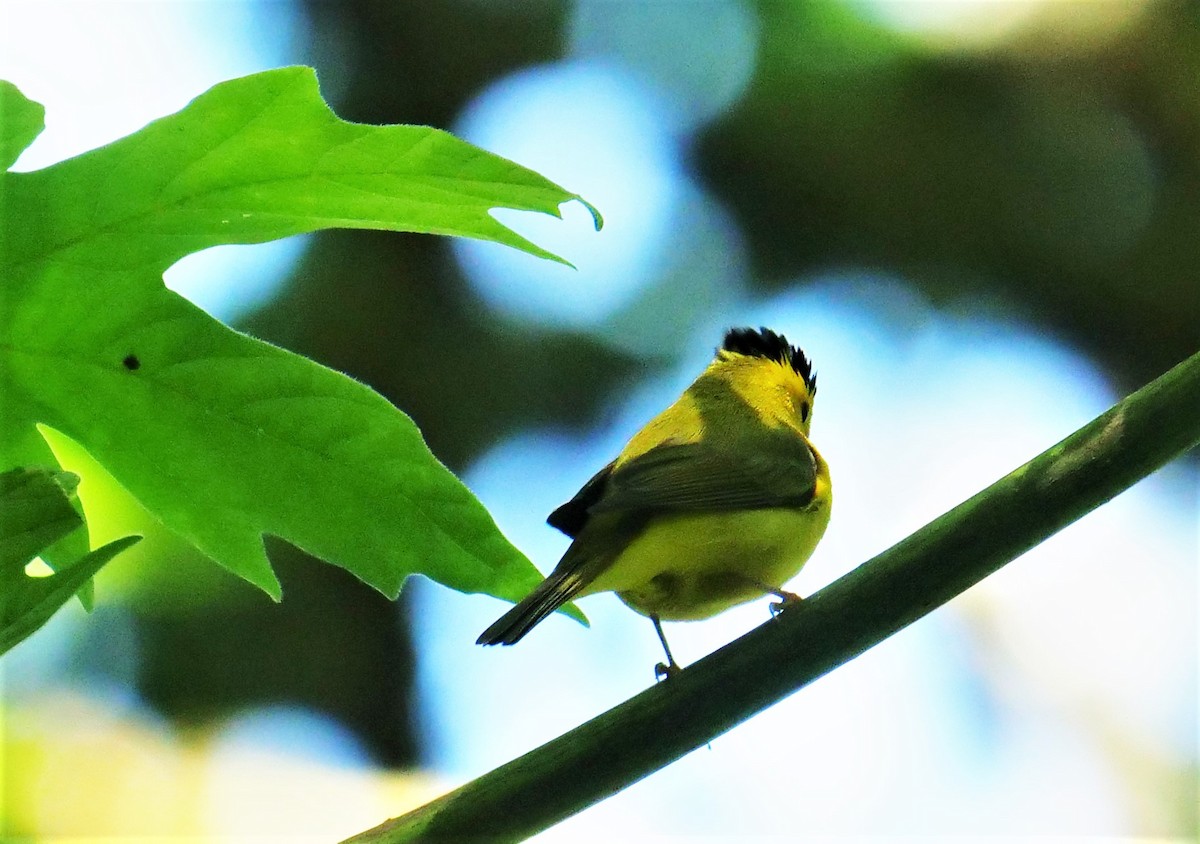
(549, 595)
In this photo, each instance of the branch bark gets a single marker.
(949, 555)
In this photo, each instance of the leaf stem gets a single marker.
(941, 560)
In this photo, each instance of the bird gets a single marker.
(720, 499)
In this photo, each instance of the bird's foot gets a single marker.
(786, 600)
(664, 670)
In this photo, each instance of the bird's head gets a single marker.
(774, 377)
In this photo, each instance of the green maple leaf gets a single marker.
(221, 436)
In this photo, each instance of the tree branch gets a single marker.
(614, 750)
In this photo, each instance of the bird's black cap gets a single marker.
(765, 343)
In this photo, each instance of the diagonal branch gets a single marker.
(614, 750)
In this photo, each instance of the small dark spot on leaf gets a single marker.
(131, 362)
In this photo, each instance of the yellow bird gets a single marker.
(719, 500)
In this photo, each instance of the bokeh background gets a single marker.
(980, 219)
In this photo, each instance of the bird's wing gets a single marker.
(780, 472)
(572, 516)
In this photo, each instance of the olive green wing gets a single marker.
(776, 470)
(779, 471)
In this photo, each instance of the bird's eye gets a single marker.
(804, 411)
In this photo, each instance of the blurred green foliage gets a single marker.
(1050, 179)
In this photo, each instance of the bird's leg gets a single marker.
(670, 668)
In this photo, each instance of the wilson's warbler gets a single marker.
(720, 499)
